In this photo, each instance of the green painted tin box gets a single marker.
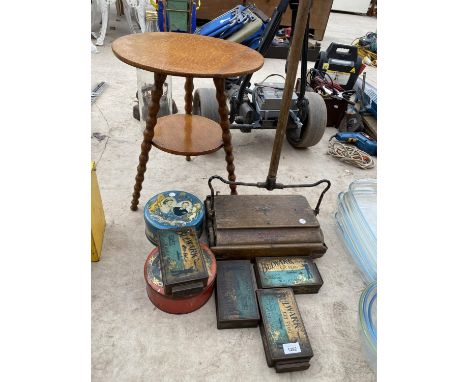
(236, 302)
(183, 269)
(299, 273)
(285, 340)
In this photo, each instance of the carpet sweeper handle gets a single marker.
(292, 64)
(211, 210)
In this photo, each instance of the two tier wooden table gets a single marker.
(189, 56)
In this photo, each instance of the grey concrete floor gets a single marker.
(134, 341)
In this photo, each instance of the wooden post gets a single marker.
(292, 62)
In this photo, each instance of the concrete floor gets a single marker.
(134, 341)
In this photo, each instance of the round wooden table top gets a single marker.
(183, 54)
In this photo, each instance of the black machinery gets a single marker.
(333, 77)
(259, 107)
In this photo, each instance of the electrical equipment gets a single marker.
(267, 98)
(341, 63)
(361, 140)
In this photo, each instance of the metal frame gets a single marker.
(269, 187)
(237, 98)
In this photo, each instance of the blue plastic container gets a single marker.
(171, 210)
(368, 322)
(356, 218)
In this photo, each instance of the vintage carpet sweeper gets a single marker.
(246, 226)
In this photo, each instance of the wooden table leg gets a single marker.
(224, 122)
(153, 109)
(188, 99)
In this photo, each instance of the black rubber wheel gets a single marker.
(205, 103)
(314, 125)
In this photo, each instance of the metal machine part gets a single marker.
(267, 98)
(258, 107)
(267, 38)
(341, 63)
(246, 113)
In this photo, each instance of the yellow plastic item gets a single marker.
(368, 58)
(98, 220)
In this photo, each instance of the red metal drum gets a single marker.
(180, 305)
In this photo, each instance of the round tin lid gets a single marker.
(171, 209)
(153, 269)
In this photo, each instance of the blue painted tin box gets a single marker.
(173, 209)
(284, 336)
(236, 302)
(183, 268)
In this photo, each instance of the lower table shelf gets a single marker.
(184, 134)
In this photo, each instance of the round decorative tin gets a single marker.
(173, 209)
(181, 305)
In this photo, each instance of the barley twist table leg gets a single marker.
(153, 109)
(188, 95)
(188, 99)
(224, 122)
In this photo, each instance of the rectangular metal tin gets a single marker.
(247, 226)
(297, 272)
(183, 269)
(236, 301)
(282, 324)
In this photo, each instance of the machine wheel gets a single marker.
(314, 125)
(206, 104)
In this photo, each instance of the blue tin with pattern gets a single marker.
(171, 210)
(297, 272)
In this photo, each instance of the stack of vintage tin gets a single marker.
(180, 272)
(257, 290)
(240, 303)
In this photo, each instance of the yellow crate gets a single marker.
(98, 220)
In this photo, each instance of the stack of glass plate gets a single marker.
(357, 222)
(368, 322)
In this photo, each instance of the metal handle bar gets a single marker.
(281, 186)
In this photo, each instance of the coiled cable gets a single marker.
(350, 154)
